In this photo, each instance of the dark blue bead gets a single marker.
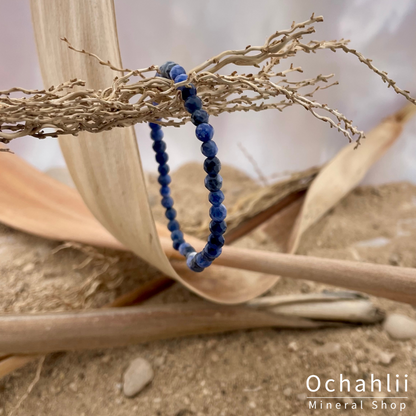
(164, 179)
(190, 261)
(165, 68)
(185, 249)
(213, 183)
(161, 158)
(167, 202)
(176, 71)
(170, 213)
(209, 149)
(216, 240)
(217, 228)
(202, 261)
(159, 147)
(173, 225)
(216, 198)
(179, 79)
(155, 126)
(204, 132)
(212, 251)
(218, 213)
(193, 103)
(199, 116)
(188, 92)
(212, 166)
(156, 135)
(164, 190)
(177, 235)
(177, 243)
(163, 169)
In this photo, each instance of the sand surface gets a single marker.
(261, 372)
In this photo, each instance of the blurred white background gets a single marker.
(189, 32)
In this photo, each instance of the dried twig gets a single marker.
(70, 108)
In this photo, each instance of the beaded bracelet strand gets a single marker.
(197, 262)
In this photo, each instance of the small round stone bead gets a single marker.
(180, 78)
(209, 149)
(173, 225)
(165, 190)
(167, 202)
(155, 126)
(188, 92)
(216, 240)
(217, 228)
(204, 132)
(218, 213)
(216, 198)
(170, 213)
(212, 252)
(162, 158)
(193, 103)
(166, 67)
(157, 135)
(177, 243)
(190, 261)
(212, 166)
(185, 249)
(202, 261)
(199, 116)
(159, 146)
(177, 235)
(176, 71)
(163, 169)
(213, 183)
(164, 179)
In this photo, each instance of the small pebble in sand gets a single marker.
(293, 346)
(287, 391)
(328, 348)
(400, 327)
(302, 397)
(385, 358)
(137, 376)
(73, 387)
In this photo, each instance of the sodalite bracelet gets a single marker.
(213, 181)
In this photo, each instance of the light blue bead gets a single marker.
(185, 249)
(179, 79)
(190, 261)
(204, 132)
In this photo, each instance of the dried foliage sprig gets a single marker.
(71, 108)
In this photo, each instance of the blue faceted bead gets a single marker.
(217, 228)
(202, 261)
(199, 116)
(185, 249)
(176, 71)
(193, 103)
(170, 213)
(212, 252)
(177, 243)
(216, 240)
(159, 147)
(218, 213)
(204, 132)
(188, 92)
(166, 67)
(155, 126)
(209, 149)
(177, 235)
(163, 169)
(157, 135)
(173, 225)
(216, 198)
(161, 158)
(190, 261)
(212, 166)
(165, 190)
(180, 78)
(167, 202)
(213, 183)
(164, 179)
